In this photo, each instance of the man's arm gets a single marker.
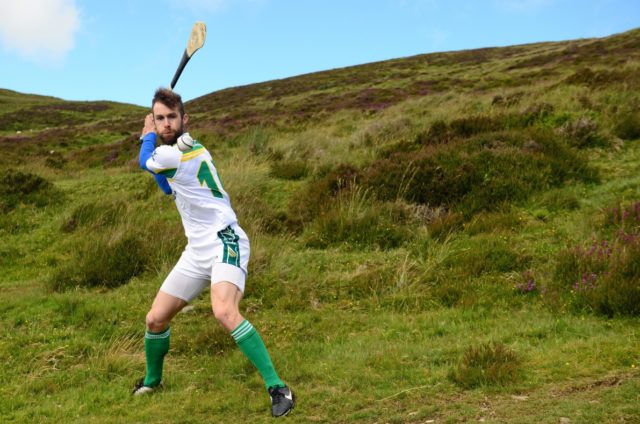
(147, 146)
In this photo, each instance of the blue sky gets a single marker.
(122, 50)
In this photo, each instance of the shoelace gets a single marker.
(277, 394)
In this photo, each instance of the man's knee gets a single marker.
(226, 313)
(156, 323)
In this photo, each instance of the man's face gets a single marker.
(169, 123)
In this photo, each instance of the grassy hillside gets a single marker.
(441, 238)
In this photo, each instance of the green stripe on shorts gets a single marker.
(231, 249)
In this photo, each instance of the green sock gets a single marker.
(253, 347)
(156, 345)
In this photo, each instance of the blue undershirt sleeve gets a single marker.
(147, 147)
(163, 183)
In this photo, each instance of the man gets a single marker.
(217, 252)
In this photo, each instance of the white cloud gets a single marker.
(39, 30)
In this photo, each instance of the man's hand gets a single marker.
(149, 126)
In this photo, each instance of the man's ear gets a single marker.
(185, 119)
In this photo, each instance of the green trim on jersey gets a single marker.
(206, 178)
(169, 173)
(196, 146)
(231, 251)
(188, 154)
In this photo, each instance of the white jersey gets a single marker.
(202, 202)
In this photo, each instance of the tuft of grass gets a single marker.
(105, 213)
(104, 261)
(55, 160)
(583, 132)
(487, 364)
(487, 222)
(319, 194)
(295, 169)
(627, 125)
(25, 188)
(559, 199)
(357, 220)
(445, 223)
(486, 254)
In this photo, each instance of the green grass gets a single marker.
(377, 304)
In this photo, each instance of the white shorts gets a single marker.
(208, 260)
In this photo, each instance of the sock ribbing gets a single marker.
(155, 336)
(243, 331)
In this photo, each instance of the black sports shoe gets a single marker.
(282, 400)
(141, 389)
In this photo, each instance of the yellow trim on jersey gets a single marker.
(188, 156)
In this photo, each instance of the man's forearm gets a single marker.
(147, 146)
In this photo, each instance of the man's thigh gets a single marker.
(182, 286)
(165, 307)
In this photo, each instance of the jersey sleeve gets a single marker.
(164, 161)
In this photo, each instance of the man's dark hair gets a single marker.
(169, 98)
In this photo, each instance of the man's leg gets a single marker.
(225, 301)
(156, 340)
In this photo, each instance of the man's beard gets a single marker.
(172, 140)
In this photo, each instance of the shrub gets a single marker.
(357, 220)
(23, 187)
(527, 283)
(559, 199)
(438, 133)
(604, 276)
(96, 214)
(258, 215)
(508, 100)
(627, 126)
(487, 364)
(466, 127)
(318, 195)
(257, 138)
(583, 132)
(444, 224)
(540, 114)
(622, 218)
(602, 78)
(584, 76)
(448, 294)
(55, 161)
(289, 170)
(535, 113)
(102, 262)
(384, 131)
(478, 174)
(404, 146)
